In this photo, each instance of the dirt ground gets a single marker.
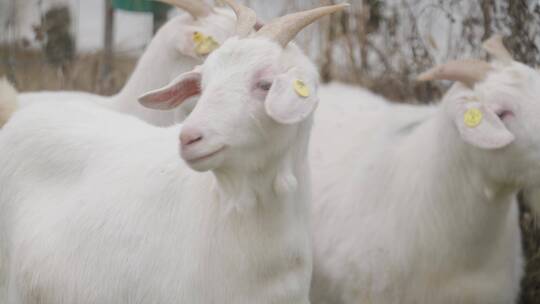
(29, 71)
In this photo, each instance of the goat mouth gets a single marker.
(205, 157)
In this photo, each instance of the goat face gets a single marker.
(500, 115)
(254, 97)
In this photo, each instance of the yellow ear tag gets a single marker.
(204, 45)
(301, 88)
(198, 37)
(473, 117)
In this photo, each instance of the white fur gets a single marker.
(405, 211)
(97, 207)
(170, 53)
(531, 195)
(8, 100)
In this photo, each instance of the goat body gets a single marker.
(97, 208)
(421, 216)
(111, 214)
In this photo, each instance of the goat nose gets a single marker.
(190, 136)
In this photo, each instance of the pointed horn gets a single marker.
(467, 72)
(495, 47)
(246, 18)
(284, 29)
(197, 9)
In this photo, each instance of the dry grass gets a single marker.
(30, 72)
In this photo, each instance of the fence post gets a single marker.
(105, 81)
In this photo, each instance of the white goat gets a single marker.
(180, 45)
(96, 207)
(418, 204)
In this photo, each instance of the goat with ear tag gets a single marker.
(98, 207)
(417, 204)
(181, 43)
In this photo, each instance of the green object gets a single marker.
(140, 6)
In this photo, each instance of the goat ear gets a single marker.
(480, 126)
(291, 99)
(172, 95)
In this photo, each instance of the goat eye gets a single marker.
(264, 85)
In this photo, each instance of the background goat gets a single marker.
(428, 212)
(181, 44)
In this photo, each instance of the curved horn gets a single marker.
(284, 29)
(246, 18)
(467, 72)
(197, 9)
(495, 47)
